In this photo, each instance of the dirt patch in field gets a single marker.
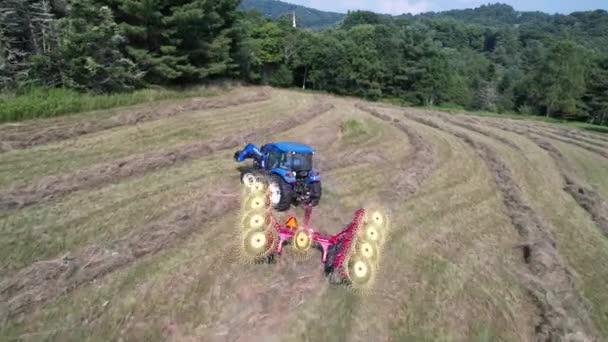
(564, 312)
(46, 280)
(51, 187)
(18, 137)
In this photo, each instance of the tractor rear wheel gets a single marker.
(281, 193)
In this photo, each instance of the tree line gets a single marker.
(119, 45)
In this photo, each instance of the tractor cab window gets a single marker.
(274, 159)
(296, 161)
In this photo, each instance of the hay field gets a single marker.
(119, 225)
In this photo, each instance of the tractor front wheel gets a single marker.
(281, 193)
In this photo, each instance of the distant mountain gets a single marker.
(588, 28)
(307, 17)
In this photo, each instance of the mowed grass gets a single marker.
(450, 271)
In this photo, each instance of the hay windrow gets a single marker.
(564, 312)
(587, 198)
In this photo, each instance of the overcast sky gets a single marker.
(417, 6)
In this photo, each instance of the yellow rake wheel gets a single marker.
(257, 244)
(302, 241)
(259, 186)
(377, 217)
(360, 272)
(256, 202)
(368, 250)
(372, 233)
(256, 219)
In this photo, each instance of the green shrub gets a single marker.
(353, 130)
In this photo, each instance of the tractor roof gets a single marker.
(286, 146)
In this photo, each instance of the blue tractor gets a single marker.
(289, 168)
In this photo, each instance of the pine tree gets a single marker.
(25, 29)
(88, 56)
(177, 41)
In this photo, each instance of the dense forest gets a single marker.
(492, 58)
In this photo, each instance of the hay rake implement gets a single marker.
(350, 257)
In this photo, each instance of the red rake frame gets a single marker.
(333, 258)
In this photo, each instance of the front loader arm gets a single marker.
(249, 152)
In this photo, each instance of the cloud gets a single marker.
(401, 6)
(380, 6)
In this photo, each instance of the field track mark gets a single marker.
(52, 187)
(587, 198)
(43, 135)
(46, 280)
(563, 310)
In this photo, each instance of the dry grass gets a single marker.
(137, 259)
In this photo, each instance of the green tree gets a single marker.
(267, 49)
(88, 56)
(597, 94)
(561, 79)
(177, 41)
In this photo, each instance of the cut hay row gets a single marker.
(20, 137)
(563, 310)
(525, 129)
(587, 136)
(52, 187)
(587, 198)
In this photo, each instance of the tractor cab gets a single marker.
(292, 157)
(289, 169)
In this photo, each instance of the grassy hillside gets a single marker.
(120, 225)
